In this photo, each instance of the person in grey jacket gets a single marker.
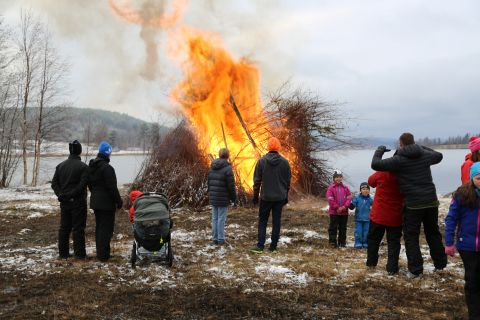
(271, 183)
(221, 191)
(411, 163)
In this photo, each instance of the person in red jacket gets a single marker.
(133, 196)
(471, 158)
(385, 215)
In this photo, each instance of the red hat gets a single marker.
(135, 194)
(274, 144)
(474, 144)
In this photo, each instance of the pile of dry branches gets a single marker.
(307, 126)
(177, 168)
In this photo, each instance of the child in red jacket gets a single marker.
(133, 196)
(386, 215)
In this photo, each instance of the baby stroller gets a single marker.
(151, 230)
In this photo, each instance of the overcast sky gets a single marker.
(404, 65)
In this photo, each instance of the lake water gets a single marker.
(126, 168)
(355, 166)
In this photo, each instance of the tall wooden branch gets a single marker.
(239, 116)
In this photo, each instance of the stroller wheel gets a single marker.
(133, 258)
(169, 254)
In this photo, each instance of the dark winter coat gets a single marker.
(411, 164)
(221, 183)
(272, 177)
(388, 203)
(70, 181)
(102, 183)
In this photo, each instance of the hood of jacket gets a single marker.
(98, 161)
(273, 158)
(468, 157)
(134, 195)
(219, 163)
(411, 151)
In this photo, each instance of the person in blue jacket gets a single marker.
(463, 219)
(362, 203)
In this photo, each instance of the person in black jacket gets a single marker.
(411, 163)
(221, 191)
(70, 186)
(104, 200)
(271, 183)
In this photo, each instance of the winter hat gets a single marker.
(75, 147)
(105, 148)
(337, 173)
(364, 185)
(474, 170)
(474, 144)
(274, 144)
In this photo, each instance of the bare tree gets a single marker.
(28, 46)
(52, 74)
(87, 136)
(9, 102)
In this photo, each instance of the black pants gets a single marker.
(375, 236)
(471, 263)
(412, 221)
(338, 223)
(105, 221)
(72, 219)
(263, 214)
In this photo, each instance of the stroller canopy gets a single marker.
(151, 206)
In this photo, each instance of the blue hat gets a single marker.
(474, 170)
(105, 148)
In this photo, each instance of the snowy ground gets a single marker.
(305, 263)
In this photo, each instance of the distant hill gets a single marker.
(94, 125)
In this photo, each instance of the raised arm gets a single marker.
(379, 164)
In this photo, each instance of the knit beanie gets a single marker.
(105, 148)
(474, 170)
(337, 173)
(364, 185)
(75, 148)
(274, 144)
(474, 144)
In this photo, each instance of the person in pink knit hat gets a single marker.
(471, 158)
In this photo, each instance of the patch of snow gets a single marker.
(35, 215)
(24, 231)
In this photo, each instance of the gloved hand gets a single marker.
(286, 201)
(119, 204)
(383, 148)
(450, 251)
(340, 210)
(351, 206)
(255, 200)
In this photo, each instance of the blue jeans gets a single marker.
(263, 213)
(219, 215)
(361, 233)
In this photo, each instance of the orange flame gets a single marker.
(212, 76)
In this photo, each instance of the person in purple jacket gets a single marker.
(464, 219)
(339, 198)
